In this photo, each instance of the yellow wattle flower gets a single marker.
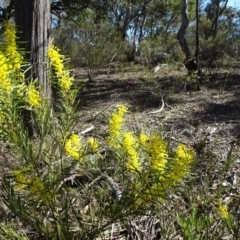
(130, 146)
(14, 58)
(22, 179)
(93, 144)
(73, 147)
(65, 81)
(56, 61)
(223, 210)
(5, 83)
(33, 96)
(26, 180)
(143, 138)
(115, 125)
(184, 156)
(157, 151)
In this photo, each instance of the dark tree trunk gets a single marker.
(33, 24)
(32, 19)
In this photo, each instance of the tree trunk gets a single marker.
(219, 10)
(32, 19)
(127, 19)
(189, 61)
(33, 23)
(197, 35)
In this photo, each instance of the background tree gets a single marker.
(149, 23)
(89, 41)
(189, 60)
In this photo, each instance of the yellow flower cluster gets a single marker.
(130, 145)
(149, 155)
(148, 195)
(223, 211)
(115, 125)
(93, 142)
(15, 59)
(171, 171)
(143, 138)
(26, 180)
(157, 152)
(22, 180)
(11, 61)
(33, 96)
(56, 61)
(5, 84)
(73, 147)
(183, 158)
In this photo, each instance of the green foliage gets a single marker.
(192, 225)
(8, 232)
(88, 44)
(86, 27)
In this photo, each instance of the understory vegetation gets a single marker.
(126, 183)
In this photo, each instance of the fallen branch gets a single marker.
(87, 130)
(157, 111)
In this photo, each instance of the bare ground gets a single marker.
(188, 115)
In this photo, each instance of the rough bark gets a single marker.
(142, 25)
(127, 17)
(33, 23)
(32, 19)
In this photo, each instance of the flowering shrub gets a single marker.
(60, 180)
(41, 167)
(148, 155)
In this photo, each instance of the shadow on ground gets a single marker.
(218, 101)
(141, 93)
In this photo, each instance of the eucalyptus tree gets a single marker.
(225, 43)
(190, 62)
(161, 23)
(214, 9)
(32, 18)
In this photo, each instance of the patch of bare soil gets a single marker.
(187, 114)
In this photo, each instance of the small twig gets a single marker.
(112, 232)
(158, 111)
(71, 178)
(168, 106)
(114, 55)
(87, 130)
(94, 181)
(115, 188)
(109, 64)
